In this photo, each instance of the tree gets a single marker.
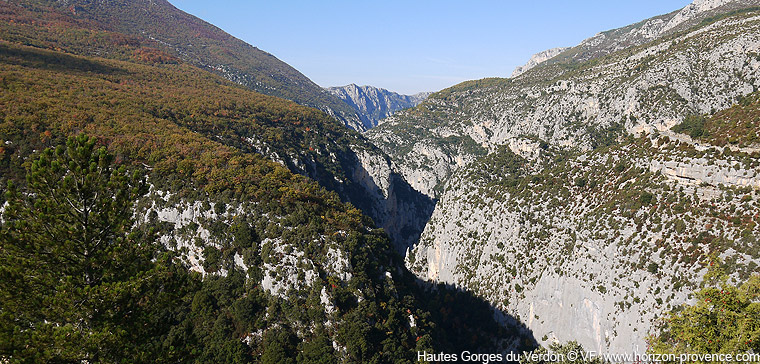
(570, 352)
(724, 319)
(77, 282)
(279, 347)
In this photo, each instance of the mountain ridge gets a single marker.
(204, 45)
(374, 104)
(611, 41)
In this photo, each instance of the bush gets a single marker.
(693, 125)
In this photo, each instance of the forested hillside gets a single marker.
(161, 25)
(306, 141)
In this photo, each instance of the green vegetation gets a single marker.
(737, 125)
(76, 283)
(121, 29)
(693, 125)
(473, 85)
(724, 319)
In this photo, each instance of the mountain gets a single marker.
(374, 104)
(571, 195)
(611, 41)
(563, 103)
(204, 45)
(339, 159)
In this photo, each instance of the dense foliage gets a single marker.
(724, 319)
(735, 126)
(76, 282)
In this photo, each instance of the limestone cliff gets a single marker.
(537, 59)
(373, 104)
(596, 248)
(644, 88)
(565, 198)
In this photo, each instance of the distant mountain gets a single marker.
(374, 104)
(204, 45)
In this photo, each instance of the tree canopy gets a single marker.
(724, 319)
(77, 282)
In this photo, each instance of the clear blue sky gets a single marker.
(410, 46)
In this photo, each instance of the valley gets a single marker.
(587, 200)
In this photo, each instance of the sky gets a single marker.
(409, 46)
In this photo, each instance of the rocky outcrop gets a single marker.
(642, 89)
(537, 59)
(707, 171)
(579, 254)
(374, 104)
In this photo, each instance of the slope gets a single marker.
(285, 263)
(201, 44)
(315, 146)
(647, 87)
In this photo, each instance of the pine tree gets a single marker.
(77, 282)
(724, 319)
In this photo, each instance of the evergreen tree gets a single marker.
(77, 282)
(724, 319)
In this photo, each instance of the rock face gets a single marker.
(537, 59)
(374, 104)
(564, 198)
(595, 249)
(650, 87)
(376, 188)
